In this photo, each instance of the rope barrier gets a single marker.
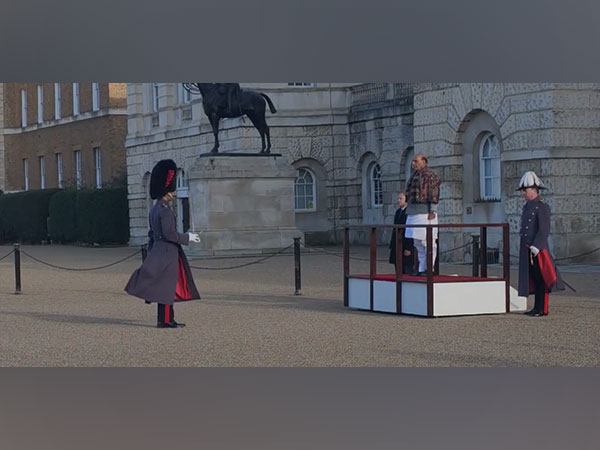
(7, 255)
(279, 252)
(567, 257)
(80, 269)
(246, 264)
(577, 256)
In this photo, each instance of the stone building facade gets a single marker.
(352, 144)
(62, 135)
(551, 128)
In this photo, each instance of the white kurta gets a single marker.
(420, 234)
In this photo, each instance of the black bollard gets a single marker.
(17, 268)
(297, 266)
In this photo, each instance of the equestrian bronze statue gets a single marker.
(228, 100)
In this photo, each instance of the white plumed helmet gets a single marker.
(530, 179)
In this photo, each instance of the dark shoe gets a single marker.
(530, 313)
(170, 325)
(537, 314)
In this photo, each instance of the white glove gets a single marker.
(534, 250)
(194, 237)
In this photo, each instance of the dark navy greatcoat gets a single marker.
(156, 280)
(407, 243)
(535, 229)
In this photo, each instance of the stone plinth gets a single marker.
(242, 203)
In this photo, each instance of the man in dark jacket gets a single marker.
(537, 273)
(422, 196)
(407, 244)
(165, 276)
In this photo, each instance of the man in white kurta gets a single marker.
(422, 194)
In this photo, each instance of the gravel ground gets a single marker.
(250, 317)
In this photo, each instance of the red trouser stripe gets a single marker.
(546, 295)
(167, 313)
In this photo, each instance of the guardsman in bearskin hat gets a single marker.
(537, 273)
(165, 276)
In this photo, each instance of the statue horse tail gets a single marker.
(271, 105)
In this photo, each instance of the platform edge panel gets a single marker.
(414, 299)
(359, 292)
(384, 296)
(458, 299)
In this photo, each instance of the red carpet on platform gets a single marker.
(436, 278)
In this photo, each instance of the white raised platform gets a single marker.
(465, 296)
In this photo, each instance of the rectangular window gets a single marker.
(78, 178)
(40, 103)
(154, 96)
(26, 173)
(57, 101)
(75, 99)
(59, 169)
(23, 108)
(98, 167)
(42, 172)
(95, 96)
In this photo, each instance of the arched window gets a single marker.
(489, 168)
(185, 96)
(375, 187)
(305, 191)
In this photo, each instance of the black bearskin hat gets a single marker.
(163, 179)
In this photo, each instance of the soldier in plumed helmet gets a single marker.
(165, 276)
(537, 272)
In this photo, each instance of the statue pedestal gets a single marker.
(242, 203)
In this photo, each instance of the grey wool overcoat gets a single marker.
(166, 269)
(535, 229)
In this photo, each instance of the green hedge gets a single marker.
(102, 216)
(63, 226)
(90, 216)
(23, 216)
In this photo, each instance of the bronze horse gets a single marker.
(250, 103)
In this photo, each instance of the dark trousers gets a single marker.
(166, 314)
(407, 263)
(539, 287)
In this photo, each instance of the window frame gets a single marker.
(40, 104)
(98, 166)
(76, 100)
(78, 169)
(305, 197)
(495, 177)
(57, 101)
(372, 188)
(95, 96)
